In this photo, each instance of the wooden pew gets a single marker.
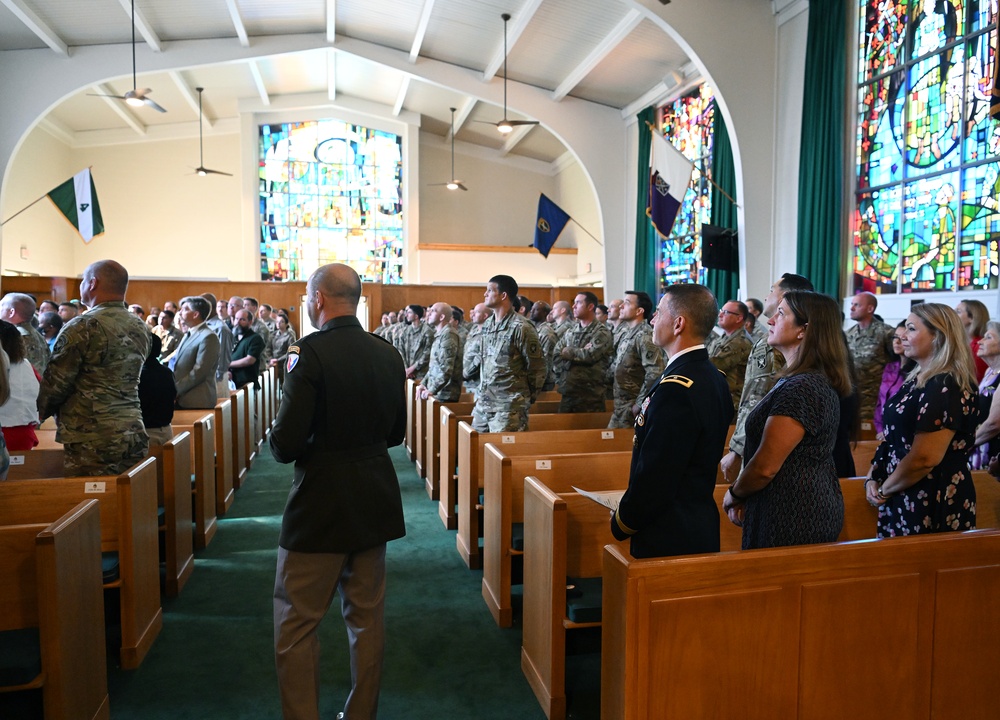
(50, 579)
(128, 527)
(799, 626)
(863, 452)
(432, 444)
(239, 445)
(225, 465)
(411, 418)
(470, 469)
(419, 433)
(448, 465)
(201, 425)
(583, 454)
(250, 424)
(173, 494)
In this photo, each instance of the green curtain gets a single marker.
(725, 284)
(821, 221)
(647, 242)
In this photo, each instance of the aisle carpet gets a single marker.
(445, 658)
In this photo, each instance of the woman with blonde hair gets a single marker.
(974, 316)
(920, 479)
(788, 492)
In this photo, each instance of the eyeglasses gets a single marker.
(729, 312)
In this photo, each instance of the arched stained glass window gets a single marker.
(330, 192)
(927, 154)
(687, 124)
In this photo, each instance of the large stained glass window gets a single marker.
(687, 124)
(927, 154)
(330, 192)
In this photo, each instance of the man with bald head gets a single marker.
(344, 404)
(867, 341)
(91, 383)
(234, 306)
(443, 380)
(472, 354)
(18, 309)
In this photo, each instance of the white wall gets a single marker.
(48, 238)
(575, 195)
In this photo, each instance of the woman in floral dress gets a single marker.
(920, 479)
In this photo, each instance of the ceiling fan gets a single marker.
(201, 169)
(452, 184)
(136, 97)
(506, 126)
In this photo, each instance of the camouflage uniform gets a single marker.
(261, 329)
(548, 338)
(729, 354)
(444, 374)
(416, 348)
(759, 330)
(511, 373)
(636, 369)
(472, 358)
(169, 339)
(620, 331)
(762, 369)
(870, 356)
(584, 375)
(395, 335)
(91, 385)
(35, 347)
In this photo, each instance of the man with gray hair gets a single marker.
(197, 357)
(18, 309)
(91, 383)
(345, 504)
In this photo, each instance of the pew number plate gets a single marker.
(208, 425)
(17, 459)
(543, 464)
(94, 488)
(508, 439)
(607, 435)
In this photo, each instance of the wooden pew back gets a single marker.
(448, 464)
(173, 482)
(433, 441)
(51, 580)
(202, 429)
(504, 495)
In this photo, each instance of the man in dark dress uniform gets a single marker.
(344, 405)
(669, 507)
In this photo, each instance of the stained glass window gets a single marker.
(687, 124)
(927, 154)
(330, 192)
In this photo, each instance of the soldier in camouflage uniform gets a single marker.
(638, 362)
(548, 338)
(582, 358)
(729, 351)
(416, 343)
(869, 342)
(92, 380)
(513, 368)
(562, 317)
(472, 354)
(18, 309)
(763, 366)
(443, 380)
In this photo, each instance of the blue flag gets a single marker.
(551, 221)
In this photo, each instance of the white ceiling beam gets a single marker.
(461, 115)
(237, 18)
(144, 28)
(514, 31)
(331, 75)
(188, 94)
(664, 91)
(614, 39)
(401, 96)
(34, 23)
(516, 136)
(418, 37)
(331, 22)
(258, 81)
(58, 130)
(118, 107)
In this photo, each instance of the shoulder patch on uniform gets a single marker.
(293, 358)
(679, 379)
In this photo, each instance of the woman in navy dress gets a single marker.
(920, 479)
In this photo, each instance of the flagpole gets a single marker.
(705, 175)
(588, 232)
(23, 209)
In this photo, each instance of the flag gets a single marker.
(77, 200)
(670, 177)
(551, 221)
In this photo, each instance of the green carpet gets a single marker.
(445, 657)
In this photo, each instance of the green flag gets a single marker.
(77, 200)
